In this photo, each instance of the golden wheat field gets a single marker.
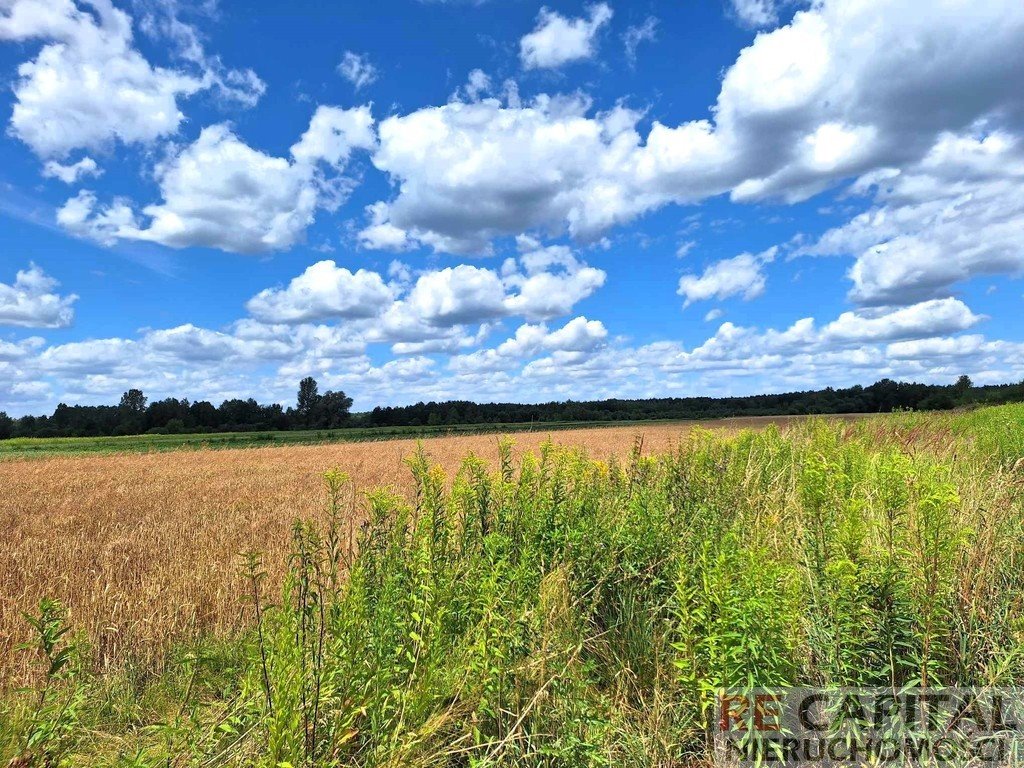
(145, 549)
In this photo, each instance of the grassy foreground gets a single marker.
(563, 611)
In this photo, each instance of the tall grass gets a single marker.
(563, 611)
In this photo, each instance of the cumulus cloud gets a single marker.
(323, 291)
(191, 344)
(94, 356)
(32, 301)
(381, 234)
(900, 343)
(89, 86)
(540, 285)
(477, 84)
(432, 310)
(741, 275)
(957, 214)
(848, 350)
(357, 69)
(929, 318)
(20, 393)
(72, 172)
(755, 13)
(557, 40)
(955, 351)
(471, 172)
(552, 280)
(457, 295)
(333, 134)
(219, 192)
(445, 311)
(12, 351)
(578, 336)
(832, 95)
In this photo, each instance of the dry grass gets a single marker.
(144, 549)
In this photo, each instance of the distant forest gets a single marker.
(332, 410)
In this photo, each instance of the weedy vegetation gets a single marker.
(553, 609)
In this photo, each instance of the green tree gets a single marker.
(332, 410)
(6, 426)
(131, 413)
(963, 386)
(133, 401)
(308, 399)
(204, 414)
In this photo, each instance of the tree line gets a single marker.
(136, 415)
(332, 410)
(882, 396)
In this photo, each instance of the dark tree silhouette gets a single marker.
(133, 400)
(963, 386)
(308, 398)
(331, 411)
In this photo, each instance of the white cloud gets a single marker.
(332, 135)
(80, 216)
(434, 310)
(551, 282)
(218, 192)
(471, 172)
(641, 33)
(755, 13)
(741, 275)
(12, 351)
(741, 360)
(357, 69)
(457, 295)
(160, 21)
(944, 348)
(578, 336)
(190, 344)
(381, 234)
(836, 93)
(957, 214)
(89, 87)
(557, 40)
(685, 247)
(323, 291)
(72, 172)
(31, 302)
(18, 394)
(477, 84)
(95, 356)
(928, 318)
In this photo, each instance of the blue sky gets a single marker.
(506, 200)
